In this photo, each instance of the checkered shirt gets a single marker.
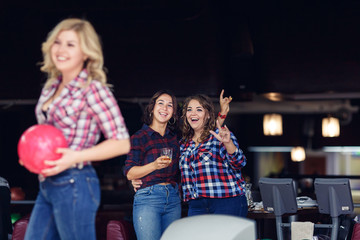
(82, 113)
(208, 171)
(145, 148)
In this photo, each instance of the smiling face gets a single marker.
(196, 116)
(66, 53)
(163, 109)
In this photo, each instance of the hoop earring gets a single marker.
(172, 123)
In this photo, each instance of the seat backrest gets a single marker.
(20, 228)
(356, 232)
(120, 230)
(211, 226)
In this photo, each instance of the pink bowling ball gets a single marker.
(39, 143)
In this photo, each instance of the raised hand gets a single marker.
(223, 135)
(224, 103)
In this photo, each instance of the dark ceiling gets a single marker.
(291, 47)
(304, 50)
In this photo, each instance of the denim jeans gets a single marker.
(155, 208)
(235, 206)
(66, 206)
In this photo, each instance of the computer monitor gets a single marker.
(334, 196)
(278, 195)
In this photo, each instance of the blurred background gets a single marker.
(297, 59)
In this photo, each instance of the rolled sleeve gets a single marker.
(135, 155)
(237, 159)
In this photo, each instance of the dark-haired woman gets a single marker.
(157, 200)
(210, 162)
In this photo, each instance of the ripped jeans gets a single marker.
(155, 208)
(66, 206)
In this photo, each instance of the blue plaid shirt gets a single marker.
(145, 148)
(207, 170)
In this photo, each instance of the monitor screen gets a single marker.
(278, 195)
(334, 196)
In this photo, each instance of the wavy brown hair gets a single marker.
(206, 103)
(90, 45)
(148, 115)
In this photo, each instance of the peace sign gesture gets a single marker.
(223, 135)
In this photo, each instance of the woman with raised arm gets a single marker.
(155, 179)
(210, 162)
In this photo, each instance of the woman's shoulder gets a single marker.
(95, 91)
(97, 85)
(181, 141)
(184, 142)
(143, 132)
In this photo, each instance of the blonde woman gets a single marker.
(76, 100)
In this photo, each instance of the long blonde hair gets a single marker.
(90, 46)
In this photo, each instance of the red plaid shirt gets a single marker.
(209, 171)
(82, 113)
(145, 148)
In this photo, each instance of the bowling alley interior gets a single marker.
(292, 69)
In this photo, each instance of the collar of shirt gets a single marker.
(77, 82)
(151, 131)
(73, 85)
(191, 143)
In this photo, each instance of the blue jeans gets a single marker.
(235, 206)
(66, 206)
(155, 208)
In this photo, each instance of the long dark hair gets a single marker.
(206, 103)
(148, 115)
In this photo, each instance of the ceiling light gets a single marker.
(330, 127)
(272, 124)
(297, 154)
(274, 96)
